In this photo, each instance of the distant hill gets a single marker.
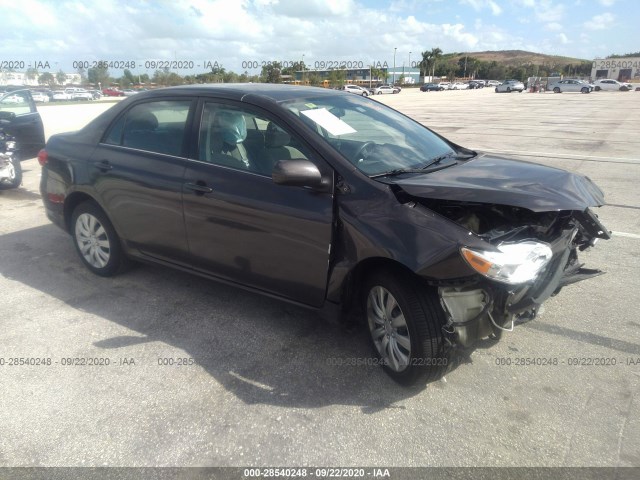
(518, 57)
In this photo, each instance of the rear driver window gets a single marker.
(153, 127)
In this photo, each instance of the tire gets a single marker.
(497, 90)
(584, 90)
(379, 93)
(597, 89)
(556, 90)
(422, 354)
(96, 240)
(508, 89)
(365, 94)
(15, 176)
(624, 89)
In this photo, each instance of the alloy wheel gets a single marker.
(92, 240)
(388, 328)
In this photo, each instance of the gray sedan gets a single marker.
(570, 85)
(509, 86)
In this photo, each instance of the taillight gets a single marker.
(43, 157)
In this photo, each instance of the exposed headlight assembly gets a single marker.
(513, 263)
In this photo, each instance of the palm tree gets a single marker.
(425, 63)
(435, 54)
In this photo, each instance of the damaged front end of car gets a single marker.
(525, 246)
(529, 257)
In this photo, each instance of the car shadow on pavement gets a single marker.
(260, 349)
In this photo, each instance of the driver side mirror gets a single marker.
(297, 173)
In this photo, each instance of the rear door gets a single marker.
(243, 227)
(23, 122)
(137, 171)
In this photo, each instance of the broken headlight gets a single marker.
(513, 263)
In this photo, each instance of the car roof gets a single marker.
(236, 91)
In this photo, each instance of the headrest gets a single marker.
(141, 119)
(232, 126)
(275, 136)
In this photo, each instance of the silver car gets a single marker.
(385, 89)
(355, 89)
(571, 85)
(509, 86)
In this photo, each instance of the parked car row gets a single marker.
(470, 85)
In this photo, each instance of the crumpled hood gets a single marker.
(488, 179)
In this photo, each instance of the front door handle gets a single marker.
(103, 165)
(199, 188)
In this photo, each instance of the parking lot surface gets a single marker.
(188, 372)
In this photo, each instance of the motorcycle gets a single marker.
(10, 168)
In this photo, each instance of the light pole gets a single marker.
(394, 66)
(303, 69)
(410, 65)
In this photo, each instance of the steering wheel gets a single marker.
(363, 152)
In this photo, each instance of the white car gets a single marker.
(492, 83)
(445, 85)
(509, 86)
(609, 84)
(39, 97)
(78, 94)
(355, 89)
(570, 85)
(385, 89)
(61, 95)
(459, 86)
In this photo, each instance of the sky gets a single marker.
(242, 34)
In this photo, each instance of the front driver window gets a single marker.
(245, 140)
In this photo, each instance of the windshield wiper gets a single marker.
(397, 171)
(431, 163)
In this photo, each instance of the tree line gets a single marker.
(433, 63)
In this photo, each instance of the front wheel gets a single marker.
(405, 324)
(14, 169)
(508, 90)
(556, 90)
(598, 89)
(96, 240)
(584, 90)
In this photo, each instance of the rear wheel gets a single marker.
(96, 240)
(598, 89)
(15, 174)
(556, 89)
(508, 90)
(405, 323)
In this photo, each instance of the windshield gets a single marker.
(372, 136)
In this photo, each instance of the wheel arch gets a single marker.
(72, 201)
(352, 286)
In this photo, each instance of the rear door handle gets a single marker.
(199, 188)
(103, 165)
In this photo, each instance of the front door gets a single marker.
(243, 227)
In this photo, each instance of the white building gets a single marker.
(622, 69)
